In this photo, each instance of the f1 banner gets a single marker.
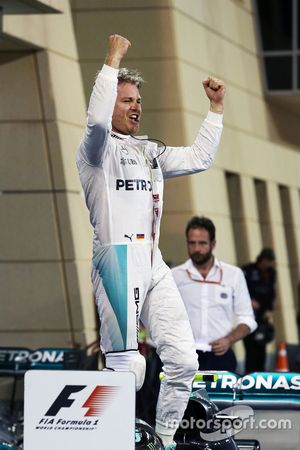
(79, 409)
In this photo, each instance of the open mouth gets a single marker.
(134, 118)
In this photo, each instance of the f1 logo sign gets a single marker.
(63, 400)
(96, 402)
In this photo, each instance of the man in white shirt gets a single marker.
(213, 293)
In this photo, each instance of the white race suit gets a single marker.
(122, 178)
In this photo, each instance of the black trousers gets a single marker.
(210, 361)
(255, 359)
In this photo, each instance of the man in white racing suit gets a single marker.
(122, 178)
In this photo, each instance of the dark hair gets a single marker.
(201, 222)
(266, 253)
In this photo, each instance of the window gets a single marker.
(275, 20)
(279, 72)
(278, 25)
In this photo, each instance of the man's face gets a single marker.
(199, 246)
(266, 264)
(128, 109)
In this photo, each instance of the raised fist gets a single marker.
(215, 91)
(117, 48)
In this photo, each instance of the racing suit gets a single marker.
(122, 178)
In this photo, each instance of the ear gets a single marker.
(213, 243)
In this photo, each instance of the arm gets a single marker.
(270, 306)
(272, 290)
(220, 346)
(177, 161)
(102, 101)
(244, 316)
(255, 304)
(242, 306)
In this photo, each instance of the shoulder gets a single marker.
(180, 268)
(179, 272)
(231, 270)
(249, 268)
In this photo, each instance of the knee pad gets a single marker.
(183, 370)
(189, 363)
(131, 361)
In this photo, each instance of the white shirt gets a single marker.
(212, 303)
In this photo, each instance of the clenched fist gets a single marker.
(215, 91)
(117, 49)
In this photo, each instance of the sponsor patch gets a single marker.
(133, 185)
(130, 161)
(128, 237)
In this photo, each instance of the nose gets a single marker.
(136, 106)
(198, 248)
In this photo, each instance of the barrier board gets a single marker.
(78, 410)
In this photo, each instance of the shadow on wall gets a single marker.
(8, 56)
(284, 112)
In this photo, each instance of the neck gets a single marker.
(204, 268)
(118, 132)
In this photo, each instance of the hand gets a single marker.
(220, 346)
(117, 49)
(267, 315)
(255, 304)
(215, 91)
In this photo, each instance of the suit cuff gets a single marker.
(109, 72)
(215, 118)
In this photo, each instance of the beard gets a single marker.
(199, 259)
